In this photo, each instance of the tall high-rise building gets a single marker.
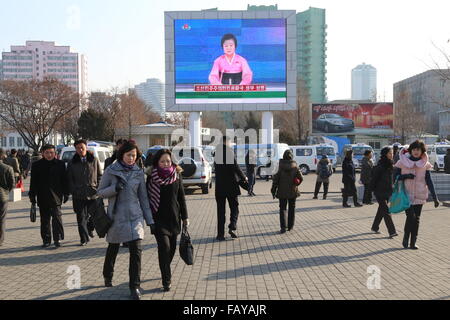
(40, 59)
(311, 52)
(152, 92)
(364, 83)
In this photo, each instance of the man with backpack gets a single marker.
(324, 172)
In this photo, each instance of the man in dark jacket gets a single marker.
(14, 163)
(382, 186)
(83, 174)
(49, 187)
(6, 185)
(113, 158)
(228, 175)
(447, 162)
(250, 167)
(366, 176)
(349, 179)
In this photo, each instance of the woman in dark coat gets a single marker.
(381, 184)
(285, 188)
(366, 176)
(168, 204)
(348, 179)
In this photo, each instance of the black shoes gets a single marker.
(375, 231)
(315, 198)
(414, 247)
(136, 294)
(57, 244)
(358, 205)
(391, 236)
(46, 245)
(83, 244)
(108, 283)
(345, 205)
(282, 231)
(232, 234)
(220, 238)
(167, 288)
(91, 234)
(324, 197)
(253, 194)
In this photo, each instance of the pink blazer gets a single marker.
(237, 65)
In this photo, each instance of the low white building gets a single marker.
(12, 140)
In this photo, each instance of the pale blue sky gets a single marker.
(124, 40)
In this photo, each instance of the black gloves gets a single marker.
(65, 198)
(152, 229)
(407, 176)
(436, 203)
(120, 186)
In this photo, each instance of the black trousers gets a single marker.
(412, 224)
(287, 220)
(135, 248)
(367, 194)
(383, 213)
(167, 246)
(251, 181)
(51, 219)
(234, 209)
(349, 191)
(85, 210)
(325, 188)
(3, 209)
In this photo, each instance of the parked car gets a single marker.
(331, 123)
(101, 153)
(209, 152)
(197, 171)
(436, 154)
(307, 157)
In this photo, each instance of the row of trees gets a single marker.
(38, 109)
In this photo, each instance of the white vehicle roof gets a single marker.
(65, 149)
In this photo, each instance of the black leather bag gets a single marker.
(102, 222)
(242, 183)
(186, 248)
(33, 213)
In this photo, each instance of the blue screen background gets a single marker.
(262, 42)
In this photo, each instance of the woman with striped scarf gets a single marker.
(168, 205)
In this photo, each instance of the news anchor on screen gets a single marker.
(230, 68)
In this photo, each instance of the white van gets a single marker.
(307, 157)
(436, 154)
(101, 153)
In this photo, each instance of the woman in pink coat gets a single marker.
(414, 169)
(230, 68)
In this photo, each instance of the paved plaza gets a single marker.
(330, 254)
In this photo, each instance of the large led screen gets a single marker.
(230, 61)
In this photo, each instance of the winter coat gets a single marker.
(172, 207)
(348, 171)
(250, 165)
(14, 163)
(447, 164)
(48, 183)
(324, 163)
(109, 161)
(84, 178)
(366, 170)
(283, 185)
(228, 173)
(382, 180)
(129, 208)
(7, 181)
(416, 188)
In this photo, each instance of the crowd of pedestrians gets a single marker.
(153, 196)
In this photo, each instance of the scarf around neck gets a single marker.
(126, 166)
(156, 181)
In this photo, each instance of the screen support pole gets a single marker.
(267, 128)
(195, 129)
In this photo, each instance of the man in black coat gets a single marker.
(349, 180)
(7, 183)
(447, 162)
(228, 175)
(49, 187)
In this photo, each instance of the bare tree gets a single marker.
(407, 121)
(33, 108)
(442, 70)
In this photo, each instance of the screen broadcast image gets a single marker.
(226, 61)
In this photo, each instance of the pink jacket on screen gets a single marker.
(416, 188)
(238, 64)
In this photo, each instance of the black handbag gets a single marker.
(186, 248)
(242, 183)
(102, 222)
(33, 213)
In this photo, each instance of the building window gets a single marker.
(3, 142)
(11, 142)
(19, 142)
